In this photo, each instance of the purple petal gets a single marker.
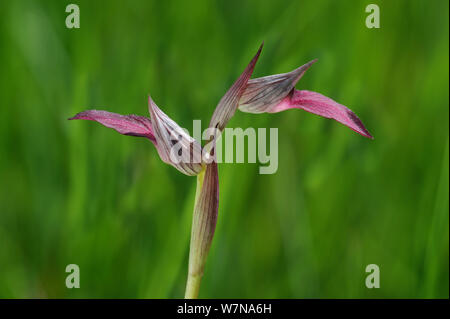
(174, 145)
(321, 105)
(230, 101)
(276, 93)
(263, 93)
(133, 125)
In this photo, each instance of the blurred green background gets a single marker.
(76, 192)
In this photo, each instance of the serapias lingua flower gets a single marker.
(269, 94)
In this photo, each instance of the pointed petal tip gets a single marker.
(80, 116)
(312, 62)
(306, 66)
(84, 115)
(261, 46)
(252, 63)
(255, 58)
(229, 103)
(364, 132)
(151, 105)
(150, 100)
(355, 123)
(300, 71)
(367, 133)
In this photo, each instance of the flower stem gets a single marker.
(203, 226)
(194, 279)
(193, 286)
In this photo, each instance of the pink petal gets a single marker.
(133, 125)
(276, 93)
(230, 101)
(264, 93)
(174, 145)
(321, 105)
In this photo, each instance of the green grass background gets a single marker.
(76, 192)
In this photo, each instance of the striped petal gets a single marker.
(321, 105)
(230, 101)
(266, 92)
(132, 125)
(175, 146)
(276, 93)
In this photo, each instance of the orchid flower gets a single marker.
(271, 94)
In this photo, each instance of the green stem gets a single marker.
(193, 286)
(195, 267)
